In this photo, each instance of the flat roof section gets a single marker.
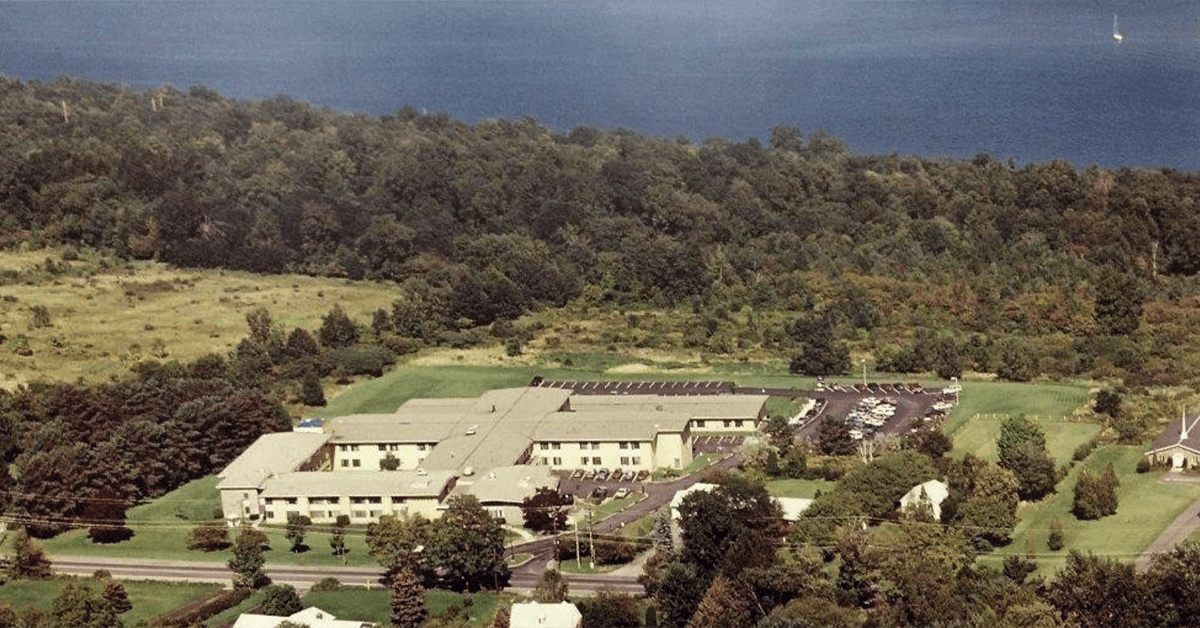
(358, 484)
(271, 454)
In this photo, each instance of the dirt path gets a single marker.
(1181, 528)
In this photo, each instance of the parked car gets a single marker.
(589, 474)
(568, 498)
(642, 475)
(621, 492)
(577, 474)
(599, 493)
(617, 474)
(602, 475)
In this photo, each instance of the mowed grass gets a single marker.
(975, 423)
(161, 529)
(373, 605)
(1145, 507)
(103, 321)
(149, 598)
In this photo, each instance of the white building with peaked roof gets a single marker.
(1179, 444)
(544, 615)
(312, 617)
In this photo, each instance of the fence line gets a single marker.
(1033, 417)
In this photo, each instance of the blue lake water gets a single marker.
(1030, 80)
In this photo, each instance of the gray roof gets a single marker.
(695, 406)
(507, 485)
(1173, 433)
(357, 483)
(271, 454)
(498, 427)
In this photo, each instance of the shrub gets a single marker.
(210, 537)
(326, 584)
(1143, 465)
(1055, 541)
(361, 360)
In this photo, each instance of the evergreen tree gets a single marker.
(248, 559)
(311, 391)
(407, 600)
(27, 560)
(724, 604)
(117, 596)
(337, 330)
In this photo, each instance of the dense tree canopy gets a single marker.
(483, 222)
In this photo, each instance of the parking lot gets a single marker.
(912, 405)
(581, 483)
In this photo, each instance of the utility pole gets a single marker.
(591, 544)
(578, 561)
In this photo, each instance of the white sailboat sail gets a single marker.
(1116, 32)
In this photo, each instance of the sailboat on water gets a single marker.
(1116, 32)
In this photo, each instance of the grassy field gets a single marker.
(993, 397)
(104, 320)
(978, 436)
(373, 604)
(1146, 507)
(149, 599)
(975, 423)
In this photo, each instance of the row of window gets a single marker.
(591, 445)
(318, 501)
(700, 423)
(332, 514)
(593, 461)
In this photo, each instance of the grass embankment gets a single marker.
(1146, 507)
(150, 599)
(105, 316)
(161, 528)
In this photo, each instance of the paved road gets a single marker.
(298, 576)
(1181, 528)
(657, 494)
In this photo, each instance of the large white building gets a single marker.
(437, 445)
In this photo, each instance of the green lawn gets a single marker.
(161, 528)
(150, 599)
(373, 604)
(985, 398)
(230, 615)
(978, 436)
(798, 488)
(975, 423)
(1146, 507)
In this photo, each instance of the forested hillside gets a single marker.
(922, 263)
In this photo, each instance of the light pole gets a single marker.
(864, 365)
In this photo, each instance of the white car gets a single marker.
(621, 492)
